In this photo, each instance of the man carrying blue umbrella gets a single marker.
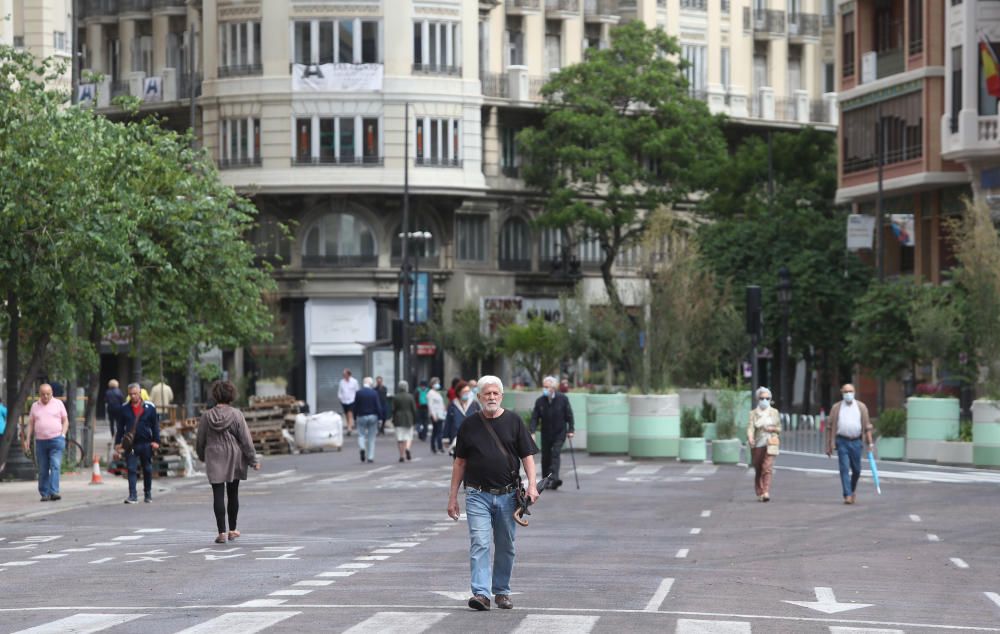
(848, 425)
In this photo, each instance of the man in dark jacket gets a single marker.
(383, 395)
(141, 416)
(113, 401)
(554, 412)
(367, 413)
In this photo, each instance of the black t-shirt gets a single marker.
(486, 465)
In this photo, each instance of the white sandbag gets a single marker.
(319, 431)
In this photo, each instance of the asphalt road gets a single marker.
(332, 545)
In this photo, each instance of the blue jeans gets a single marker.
(48, 455)
(367, 428)
(849, 457)
(140, 454)
(491, 519)
(437, 436)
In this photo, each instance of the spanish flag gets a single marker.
(991, 67)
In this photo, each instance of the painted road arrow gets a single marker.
(827, 603)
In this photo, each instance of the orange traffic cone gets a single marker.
(96, 477)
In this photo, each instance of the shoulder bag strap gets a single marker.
(496, 439)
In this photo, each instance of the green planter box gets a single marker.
(726, 451)
(578, 401)
(692, 450)
(708, 431)
(607, 423)
(654, 425)
(891, 448)
(986, 433)
(929, 421)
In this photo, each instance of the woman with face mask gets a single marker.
(436, 412)
(762, 439)
(464, 404)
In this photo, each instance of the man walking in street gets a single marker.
(346, 392)
(113, 401)
(368, 407)
(553, 411)
(383, 395)
(139, 417)
(848, 425)
(489, 450)
(48, 424)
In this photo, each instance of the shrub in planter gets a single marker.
(692, 445)
(708, 415)
(891, 428)
(690, 423)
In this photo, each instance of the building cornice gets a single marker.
(889, 83)
(901, 185)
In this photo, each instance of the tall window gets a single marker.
(472, 238)
(847, 44)
(553, 45)
(515, 245)
(592, 36)
(339, 239)
(696, 56)
(343, 41)
(724, 67)
(338, 141)
(509, 159)
(956, 86)
(437, 47)
(438, 142)
(239, 49)
(550, 245)
(916, 26)
(239, 142)
(794, 70)
(513, 42)
(829, 81)
(589, 251)
(901, 128)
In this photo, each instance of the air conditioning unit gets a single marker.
(869, 67)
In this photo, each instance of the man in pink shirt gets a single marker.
(48, 423)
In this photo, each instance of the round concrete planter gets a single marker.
(578, 401)
(708, 431)
(654, 425)
(607, 423)
(986, 433)
(692, 450)
(520, 401)
(726, 451)
(891, 448)
(929, 421)
(955, 453)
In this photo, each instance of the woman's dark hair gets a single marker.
(223, 392)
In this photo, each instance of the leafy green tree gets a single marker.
(937, 321)
(621, 136)
(539, 346)
(882, 339)
(463, 338)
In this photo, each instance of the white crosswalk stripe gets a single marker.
(242, 622)
(81, 624)
(834, 629)
(556, 624)
(397, 623)
(693, 626)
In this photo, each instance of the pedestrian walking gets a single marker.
(225, 446)
(762, 440)
(138, 418)
(47, 424)
(849, 424)
(404, 416)
(423, 419)
(436, 414)
(346, 392)
(161, 395)
(113, 401)
(368, 409)
(487, 452)
(555, 414)
(3, 418)
(383, 396)
(459, 408)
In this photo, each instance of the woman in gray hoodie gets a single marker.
(225, 446)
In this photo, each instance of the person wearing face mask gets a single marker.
(436, 414)
(765, 424)
(849, 423)
(461, 406)
(553, 411)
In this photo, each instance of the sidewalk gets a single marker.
(20, 499)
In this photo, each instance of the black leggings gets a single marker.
(220, 491)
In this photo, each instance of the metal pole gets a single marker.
(192, 88)
(74, 51)
(880, 218)
(786, 389)
(405, 239)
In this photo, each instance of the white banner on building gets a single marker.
(86, 93)
(902, 226)
(152, 89)
(337, 77)
(860, 232)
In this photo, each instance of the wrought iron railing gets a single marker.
(240, 70)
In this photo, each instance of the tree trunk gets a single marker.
(93, 388)
(807, 356)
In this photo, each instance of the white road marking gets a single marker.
(279, 549)
(387, 551)
(285, 480)
(18, 563)
(101, 561)
(354, 565)
(646, 469)
(693, 626)
(959, 563)
(126, 538)
(104, 544)
(77, 550)
(404, 544)
(40, 539)
(660, 595)
(397, 623)
(150, 530)
(827, 603)
(82, 624)
(201, 551)
(682, 553)
(914, 518)
(243, 622)
(50, 556)
(313, 582)
(268, 476)
(347, 477)
(556, 624)
(337, 573)
(291, 592)
(261, 603)
(372, 558)
(931, 537)
(706, 513)
(589, 469)
(980, 477)
(702, 469)
(994, 597)
(695, 531)
(835, 629)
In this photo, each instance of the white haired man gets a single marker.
(553, 411)
(489, 451)
(848, 426)
(368, 412)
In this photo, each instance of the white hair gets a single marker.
(489, 379)
(550, 379)
(763, 390)
(367, 381)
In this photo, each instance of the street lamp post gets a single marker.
(785, 298)
(423, 237)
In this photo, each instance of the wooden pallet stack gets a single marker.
(168, 461)
(289, 405)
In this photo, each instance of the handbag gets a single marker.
(773, 445)
(128, 438)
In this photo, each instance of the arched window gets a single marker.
(515, 245)
(339, 239)
(269, 240)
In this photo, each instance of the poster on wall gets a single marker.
(860, 232)
(902, 228)
(419, 298)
